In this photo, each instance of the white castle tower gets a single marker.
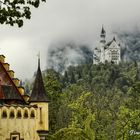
(107, 52)
(102, 44)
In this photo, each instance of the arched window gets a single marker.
(4, 114)
(25, 114)
(12, 114)
(32, 115)
(19, 114)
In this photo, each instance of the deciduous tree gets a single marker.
(15, 11)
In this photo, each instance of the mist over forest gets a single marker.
(62, 54)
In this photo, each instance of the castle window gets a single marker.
(4, 114)
(15, 136)
(12, 115)
(26, 114)
(19, 114)
(32, 114)
(114, 55)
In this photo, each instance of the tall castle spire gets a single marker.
(38, 93)
(103, 35)
(38, 59)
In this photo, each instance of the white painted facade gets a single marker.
(107, 52)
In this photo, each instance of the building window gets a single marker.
(4, 114)
(32, 114)
(12, 114)
(26, 114)
(19, 114)
(114, 55)
(15, 136)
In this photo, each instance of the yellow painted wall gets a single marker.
(26, 126)
(43, 119)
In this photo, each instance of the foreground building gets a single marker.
(107, 51)
(22, 117)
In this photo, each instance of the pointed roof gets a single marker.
(38, 93)
(109, 43)
(114, 38)
(9, 93)
(103, 30)
(8, 89)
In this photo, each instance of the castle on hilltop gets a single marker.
(107, 51)
(22, 117)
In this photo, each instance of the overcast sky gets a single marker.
(77, 20)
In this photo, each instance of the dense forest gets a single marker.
(94, 102)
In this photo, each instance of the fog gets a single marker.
(56, 21)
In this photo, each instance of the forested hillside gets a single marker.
(94, 102)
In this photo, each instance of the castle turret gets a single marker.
(30, 114)
(102, 44)
(38, 97)
(103, 35)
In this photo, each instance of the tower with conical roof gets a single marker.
(21, 116)
(103, 36)
(102, 44)
(38, 93)
(39, 98)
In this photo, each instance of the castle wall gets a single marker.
(19, 120)
(42, 119)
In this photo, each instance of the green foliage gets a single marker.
(13, 12)
(95, 102)
(54, 90)
(70, 134)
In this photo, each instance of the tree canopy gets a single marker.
(13, 12)
(94, 102)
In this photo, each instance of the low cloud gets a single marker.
(65, 20)
(64, 54)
